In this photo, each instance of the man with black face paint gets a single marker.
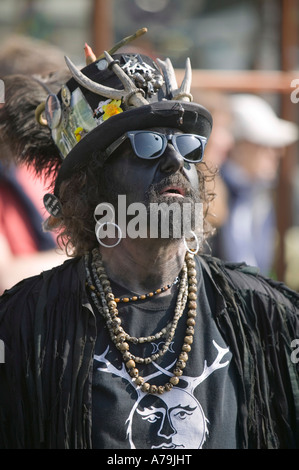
(139, 341)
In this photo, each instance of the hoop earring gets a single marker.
(193, 251)
(98, 235)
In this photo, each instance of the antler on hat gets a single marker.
(111, 95)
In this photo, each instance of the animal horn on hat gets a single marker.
(131, 95)
(183, 92)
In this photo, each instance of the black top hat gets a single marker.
(116, 94)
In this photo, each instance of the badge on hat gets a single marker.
(52, 205)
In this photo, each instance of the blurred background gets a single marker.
(235, 46)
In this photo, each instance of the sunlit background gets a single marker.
(216, 34)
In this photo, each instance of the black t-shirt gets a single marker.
(201, 412)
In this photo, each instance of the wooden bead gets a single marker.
(192, 313)
(100, 270)
(122, 346)
(139, 381)
(183, 356)
(102, 276)
(181, 364)
(117, 330)
(190, 330)
(192, 296)
(191, 272)
(121, 337)
(186, 347)
(134, 340)
(145, 387)
(192, 304)
(168, 386)
(188, 339)
(134, 372)
(191, 263)
(174, 380)
(130, 364)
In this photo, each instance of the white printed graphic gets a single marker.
(176, 418)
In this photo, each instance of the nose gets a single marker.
(171, 160)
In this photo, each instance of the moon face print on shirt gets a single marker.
(173, 420)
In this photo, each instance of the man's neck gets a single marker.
(143, 265)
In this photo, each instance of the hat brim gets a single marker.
(185, 116)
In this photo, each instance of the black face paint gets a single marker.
(146, 182)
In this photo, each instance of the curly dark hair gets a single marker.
(80, 194)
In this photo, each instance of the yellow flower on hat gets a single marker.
(111, 109)
(78, 133)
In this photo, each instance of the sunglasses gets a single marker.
(150, 145)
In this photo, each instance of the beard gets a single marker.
(166, 217)
(174, 216)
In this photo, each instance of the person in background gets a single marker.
(250, 174)
(217, 151)
(25, 249)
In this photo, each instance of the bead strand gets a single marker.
(107, 306)
(136, 297)
(120, 336)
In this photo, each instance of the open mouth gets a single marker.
(173, 191)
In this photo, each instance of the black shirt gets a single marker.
(201, 412)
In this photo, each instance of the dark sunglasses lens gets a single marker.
(190, 147)
(148, 144)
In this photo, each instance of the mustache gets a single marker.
(173, 180)
(176, 180)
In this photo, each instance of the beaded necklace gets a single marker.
(135, 297)
(105, 303)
